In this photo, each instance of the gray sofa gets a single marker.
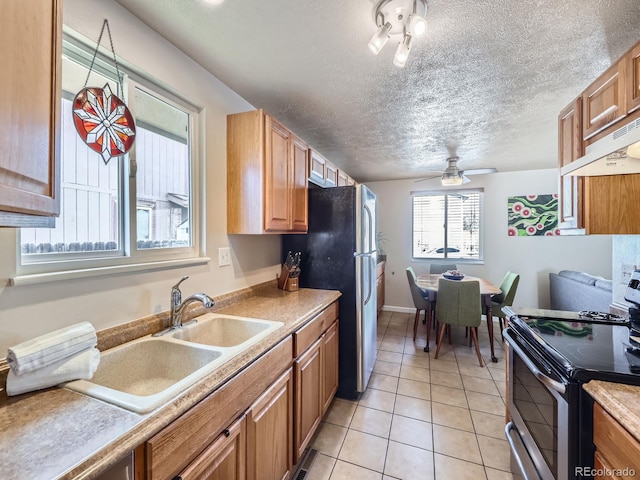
(575, 291)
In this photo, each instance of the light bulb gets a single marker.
(379, 38)
(402, 53)
(417, 25)
(633, 150)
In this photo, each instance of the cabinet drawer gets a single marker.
(613, 442)
(305, 336)
(168, 452)
(224, 458)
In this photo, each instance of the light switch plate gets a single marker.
(224, 256)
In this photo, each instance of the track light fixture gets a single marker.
(405, 18)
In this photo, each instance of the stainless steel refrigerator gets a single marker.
(339, 253)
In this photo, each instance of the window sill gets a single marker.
(460, 261)
(36, 278)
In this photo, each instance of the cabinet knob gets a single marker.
(226, 434)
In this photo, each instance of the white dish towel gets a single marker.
(51, 347)
(80, 366)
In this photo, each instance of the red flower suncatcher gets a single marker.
(104, 122)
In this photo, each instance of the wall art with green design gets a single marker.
(531, 215)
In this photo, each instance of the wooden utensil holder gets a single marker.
(286, 281)
(291, 285)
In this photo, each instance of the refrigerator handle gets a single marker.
(370, 261)
(369, 247)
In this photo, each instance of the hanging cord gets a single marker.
(113, 51)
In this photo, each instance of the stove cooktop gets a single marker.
(584, 348)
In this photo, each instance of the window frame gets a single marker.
(128, 257)
(445, 257)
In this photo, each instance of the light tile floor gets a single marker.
(420, 418)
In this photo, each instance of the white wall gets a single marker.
(27, 311)
(626, 256)
(532, 257)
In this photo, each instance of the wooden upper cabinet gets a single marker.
(344, 179)
(605, 100)
(30, 49)
(266, 176)
(331, 175)
(609, 204)
(277, 177)
(316, 167)
(633, 79)
(299, 204)
(569, 149)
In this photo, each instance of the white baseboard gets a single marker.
(393, 308)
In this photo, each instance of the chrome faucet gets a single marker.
(178, 306)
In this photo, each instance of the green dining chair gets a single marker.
(442, 267)
(508, 288)
(421, 303)
(439, 268)
(459, 305)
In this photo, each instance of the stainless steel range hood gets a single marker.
(616, 154)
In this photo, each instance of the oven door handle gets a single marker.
(549, 382)
(520, 454)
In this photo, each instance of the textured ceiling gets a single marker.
(486, 81)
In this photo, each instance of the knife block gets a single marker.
(284, 276)
(286, 281)
(291, 285)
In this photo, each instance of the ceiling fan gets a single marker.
(452, 175)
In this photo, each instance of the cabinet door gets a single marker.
(309, 396)
(343, 179)
(330, 354)
(224, 459)
(299, 198)
(569, 149)
(331, 175)
(605, 100)
(316, 167)
(30, 49)
(269, 432)
(277, 212)
(607, 201)
(633, 79)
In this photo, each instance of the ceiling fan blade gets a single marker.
(426, 178)
(465, 179)
(479, 171)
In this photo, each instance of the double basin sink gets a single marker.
(143, 374)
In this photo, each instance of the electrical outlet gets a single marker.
(224, 256)
(627, 270)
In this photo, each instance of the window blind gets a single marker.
(447, 225)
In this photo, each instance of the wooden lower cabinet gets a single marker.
(309, 395)
(224, 459)
(330, 363)
(617, 453)
(181, 442)
(316, 383)
(269, 432)
(274, 407)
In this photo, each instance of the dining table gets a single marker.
(429, 283)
